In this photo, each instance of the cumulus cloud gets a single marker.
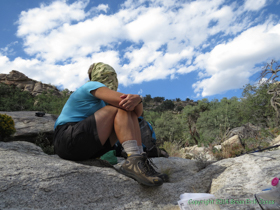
(254, 4)
(48, 17)
(146, 41)
(230, 65)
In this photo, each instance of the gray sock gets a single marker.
(140, 148)
(130, 147)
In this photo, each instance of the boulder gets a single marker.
(195, 149)
(198, 153)
(28, 126)
(30, 179)
(246, 131)
(218, 147)
(276, 141)
(20, 80)
(243, 177)
(232, 141)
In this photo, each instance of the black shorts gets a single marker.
(79, 140)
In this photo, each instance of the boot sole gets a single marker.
(139, 180)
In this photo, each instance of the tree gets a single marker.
(170, 127)
(191, 114)
(148, 98)
(166, 105)
(159, 99)
(214, 123)
(275, 100)
(179, 108)
(272, 69)
(256, 107)
(151, 117)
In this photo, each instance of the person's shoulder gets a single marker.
(93, 84)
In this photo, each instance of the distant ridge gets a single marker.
(24, 83)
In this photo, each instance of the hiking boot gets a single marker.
(136, 167)
(164, 177)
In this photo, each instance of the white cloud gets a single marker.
(46, 18)
(140, 92)
(230, 65)
(103, 7)
(70, 41)
(149, 27)
(145, 43)
(254, 4)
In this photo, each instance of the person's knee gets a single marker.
(112, 109)
(124, 112)
(118, 112)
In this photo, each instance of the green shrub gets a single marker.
(7, 126)
(14, 99)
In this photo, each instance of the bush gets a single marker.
(48, 102)
(228, 151)
(14, 99)
(173, 149)
(179, 108)
(7, 126)
(43, 142)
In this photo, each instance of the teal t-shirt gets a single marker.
(81, 104)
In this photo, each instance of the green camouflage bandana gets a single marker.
(105, 74)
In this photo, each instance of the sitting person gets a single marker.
(95, 117)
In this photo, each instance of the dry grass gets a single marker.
(201, 158)
(228, 151)
(173, 149)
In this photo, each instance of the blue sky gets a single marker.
(168, 48)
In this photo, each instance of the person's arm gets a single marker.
(128, 102)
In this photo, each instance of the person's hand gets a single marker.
(129, 101)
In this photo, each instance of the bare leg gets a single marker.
(127, 126)
(115, 123)
(137, 131)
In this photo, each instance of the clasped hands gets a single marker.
(129, 101)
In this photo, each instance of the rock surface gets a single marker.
(245, 176)
(196, 152)
(234, 140)
(30, 179)
(26, 84)
(276, 141)
(246, 131)
(28, 125)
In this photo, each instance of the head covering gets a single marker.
(105, 74)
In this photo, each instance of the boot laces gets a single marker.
(148, 167)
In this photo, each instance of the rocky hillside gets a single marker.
(21, 81)
(24, 83)
(164, 105)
